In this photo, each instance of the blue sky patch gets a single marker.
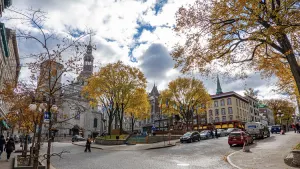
(159, 5)
(141, 27)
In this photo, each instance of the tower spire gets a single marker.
(219, 89)
(90, 42)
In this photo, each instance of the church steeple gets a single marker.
(88, 61)
(219, 89)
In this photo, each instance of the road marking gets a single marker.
(183, 165)
(230, 162)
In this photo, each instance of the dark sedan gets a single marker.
(77, 138)
(190, 137)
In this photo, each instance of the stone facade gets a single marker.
(253, 109)
(9, 64)
(228, 106)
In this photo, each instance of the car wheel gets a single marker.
(181, 141)
(230, 145)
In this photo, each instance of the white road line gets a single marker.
(230, 162)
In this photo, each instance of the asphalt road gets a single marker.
(204, 154)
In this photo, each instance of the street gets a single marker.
(203, 154)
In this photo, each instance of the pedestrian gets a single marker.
(88, 145)
(212, 133)
(216, 133)
(297, 127)
(9, 147)
(2, 144)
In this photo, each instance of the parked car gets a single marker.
(205, 134)
(257, 129)
(77, 138)
(229, 130)
(221, 132)
(190, 137)
(239, 137)
(276, 129)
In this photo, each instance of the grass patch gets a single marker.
(297, 147)
(113, 137)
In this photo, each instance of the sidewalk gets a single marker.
(268, 153)
(130, 147)
(8, 165)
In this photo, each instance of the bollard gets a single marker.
(246, 148)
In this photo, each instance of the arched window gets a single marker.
(95, 122)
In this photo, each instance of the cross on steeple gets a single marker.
(219, 89)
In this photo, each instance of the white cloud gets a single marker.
(115, 23)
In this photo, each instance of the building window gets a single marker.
(229, 110)
(229, 101)
(216, 103)
(211, 120)
(222, 102)
(95, 122)
(223, 118)
(216, 112)
(237, 102)
(230, 117)
(223, 111)
(217, 119)
(210, 112)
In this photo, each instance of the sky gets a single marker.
(138, 32)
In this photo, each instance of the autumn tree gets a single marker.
(259, 35)
(286, 107)
(185, 97)
(139, 106)
(114, 87)
(251, 92)
(57, 53)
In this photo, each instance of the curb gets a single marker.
(161, 147)
(230, 162)
(84, 146)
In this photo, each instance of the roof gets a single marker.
(228, 94)
(154, 91)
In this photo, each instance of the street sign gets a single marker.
(46, 117)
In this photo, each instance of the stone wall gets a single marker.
(109, 142)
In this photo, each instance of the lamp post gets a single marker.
(280, 115)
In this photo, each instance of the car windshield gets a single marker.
(235, 134)
(187, 134)
(230, 129)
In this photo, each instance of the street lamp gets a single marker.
(280, 115)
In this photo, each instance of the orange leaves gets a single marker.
(238, 33)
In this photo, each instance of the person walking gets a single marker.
(88, 145)
(297, 127)
(9, 147)
(2, 144)
(216, 133)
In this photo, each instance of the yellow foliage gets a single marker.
(118, 83)
(256, 35)
(184, 95)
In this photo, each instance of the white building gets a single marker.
(253, 109)
(76, 116)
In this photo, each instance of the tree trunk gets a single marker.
(38, 147)
(121, 119)
(49, 143)
(32, 145)
(110, 121)
(132, 122)
(24, 153)
(289, 53)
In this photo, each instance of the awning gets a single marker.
(224, 126)
(204, 127)
(218, 126)
(4, 124)
(230, 126)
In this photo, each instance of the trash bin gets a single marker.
(117, 137)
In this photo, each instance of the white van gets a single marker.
(257, 129)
